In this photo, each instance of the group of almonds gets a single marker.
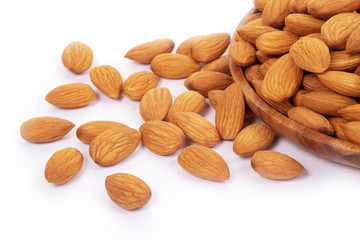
(303, 58)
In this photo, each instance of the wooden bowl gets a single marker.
(327, 147)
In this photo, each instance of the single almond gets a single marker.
(260, 4)
(343, 61)
(253, 73)
(351, 113)
(146, 52)
(282, 80)
(251, 139)
(325, 9)
(345, 83)
(210, 47)
(63, 165)
(299, 6)
(326, 102)
(77, 57)
(242, 53)
(338, 29)
(252, 30)
(155, 104)
(162, 138)
(266, 65)
(88, 131)
(197, 128)
(230, 110)
(298, 99)
(312, 83)
(303, 24)
(276, 43)
(311, 119)
(262, 57)
(352, 131)
(218, 65)
(311, 54)
(275, 165)
(337, 123)
(275, 12)
(137, 84)
(127, 191)
(189, 101)
(114, 145)
(45, 129)
(107, 79)
(185, 46)
(71, 95)
(204, 163)
(353, 42)
(205, 81)
(214, 97)
(174, 66)
(254, 16)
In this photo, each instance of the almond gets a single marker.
(252, 30)
(210, 47)
(174, 66)
(77, 57)
(337, 123)
(316, 35)
(260, 4)
(214, 97)
(325, 9)
(357, 71)
(299, 6)
(218, 65)
(353, 42)
(71, 95)
(275, 165)
(345, 83)
(253, 73)
(337, 29)
(343, 61)
(230, 110)
(242, 53)
(137, 84)
(127, 191)
(303, 24)
(351, 113)
(107, 79)
(114, 145)
(204, 163)
(254, 16)
(63, 165)
(298, 98)
(276, 43)
(162, 138)
(311, 119)
(266, 65)
(189, 101)
(146, 52)
(88, 131)
(262, 57)
(352, 131)
(155, 104)
(45, 129)
(275, 12)
(251, 139)
(311, 54)
(205, 81)
(326, 102)
(312, 83)
(282, 80)
(197, 128)
(185, 46)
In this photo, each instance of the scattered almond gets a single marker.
(252, 30)
(276, 43)
(325, 9)
(77, 57)
(242, 53)
(275, 12)
(185, 46)
(218, 65)
(303, 24)
(352, 131)
(155, 104)
(351, 113)
(260, 4)
(214, 97)
(253, 73)
(299, 6)
(254, 16)
(353, 42)
(266, 65)
(210, 47)
(345, 83)
(137, 84)
(337, 123)
(312, 83)
(262, 57)
(343, 61)
(107, 79)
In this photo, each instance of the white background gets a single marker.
(322, 204)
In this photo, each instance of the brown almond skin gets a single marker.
(254, 16)
(204, 163)
(262, 57)
(298, 99)
(299, 6)
(275, 165)
(347, 84)
(276, 43)
(189, 101)
(127, 191)
(107, 79)
(220, 64)
(353, 42)
(303, 24)
(352, 131)
(325, 9)
(205, 81)
(251, 139)
(114, 145)
(351, 113)
(146, 52)
(174, 66)
(311, 54)
(253, 73)
(45, 129)
(343, 61)
(337, 123)
(77, 57)
(242, 53)
(312, 83)
(137, 84)
(88, 131)
(252, 30)
(185, 46)
(311, 119)
(63, 165)
(214, 97)
(162, 138)
(155, 104)
(210, 47)
(260, 4)
(275, 12)
(230, 111)
(266, 65)
(71, 95)
(357, 70)
(197, 128)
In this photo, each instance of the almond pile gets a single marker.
(169, 122)
(303, 59)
